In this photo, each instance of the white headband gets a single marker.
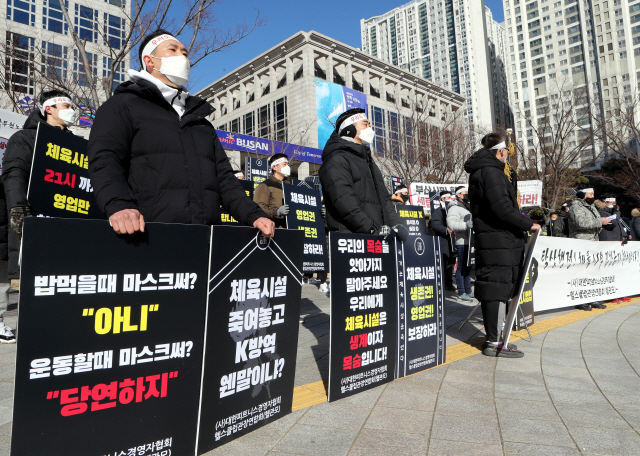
(461, 190)
(586, 190)
(500, 146)
(402, 190)
(53, 102)
(351, 120)
(278, 161)
(154, 43)
(445, 195)
(610, 200)
(240, 174)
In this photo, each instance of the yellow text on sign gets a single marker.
(119, 319)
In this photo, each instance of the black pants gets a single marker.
(322, 277)
(493, 313)
(448, 263)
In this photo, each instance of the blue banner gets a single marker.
(331, 101)
(245, 143)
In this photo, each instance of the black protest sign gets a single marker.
(525, 267)
(59, 184)
(471, 252)
(256, 170)
(225, 217)
(395, 183)
(252, 332)
(364, 313)
(421, 330)
(525, 314)
(304, 215)
(111, 338)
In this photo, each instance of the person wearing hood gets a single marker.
(613, 231)
(401, 196)
(354, 193)
(563, 217)
(555, 226)
(55, 109)
(154, 156)
(269, 194)
(499, 229)
(459, 221)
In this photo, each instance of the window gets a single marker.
(280, 111)
(234, 126)
(119, 72)
(79, 71)
(249, 123)
(19, 61)
(52, 19)
(118, 3)
(22, 11)
(380, 129)
(86, 23)
(54, 61)
(113, 30)
(264, 121)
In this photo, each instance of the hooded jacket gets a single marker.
(354, 192)
(438, 225)
(270, 196)
(584, 220)
(564, 219)
(498, 225)
(457, 217)
(143, 155)
(613, 231)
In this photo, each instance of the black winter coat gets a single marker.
(439, 226)
(354, 192)
(143, 155)
(614, 230)
(498, 225)
(564, 216)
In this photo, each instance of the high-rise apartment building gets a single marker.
(497, 49)
(446, 42)
(588, 47)
(38, 46)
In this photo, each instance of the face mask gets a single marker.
(590, 200)
(286, 171)
(610, 207)
(175, 68)
(68, 116)
(367, 135)
(465, 198)
(405, 197)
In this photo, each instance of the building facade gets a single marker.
(497, 49)
(282, 95)
(445, 42)
(590, 47)
(39, 52)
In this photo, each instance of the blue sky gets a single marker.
(338, 19)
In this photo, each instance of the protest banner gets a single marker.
(571, 272)
(419, 193)
(530, 193)
(256, 170)
(10, 123)
(395, 183)
(225, 217)
(525, 316)
(252, 332)
(59, 185)
(471, 253)
(304, 215)
(421, 330)
(364, 313)
(111, 338)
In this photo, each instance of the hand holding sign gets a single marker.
(127, 221)
(266, 226)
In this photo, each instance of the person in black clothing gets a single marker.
(400, 196)
(55, 109)
(500, 237)
(269, 194)
(354, 192)
(614, 231)
(555, 226)
(153, 155)
(439, 227)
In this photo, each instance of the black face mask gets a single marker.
(465, 198)
(590, 200)
(405, 197)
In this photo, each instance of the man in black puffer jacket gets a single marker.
(354, 192)
(153, 155)
(499, 234)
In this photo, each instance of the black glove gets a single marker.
(323, 212)
(283, 210)
(16, 218)
(401, 232)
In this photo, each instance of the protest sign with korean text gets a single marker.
(111, 338)
(225, 217)
(304, 215)
(364, 312)
(421, 330)
(419, 193)
(256, 170)
(525, 314)
(252, 332)
(10, 123)
(60, 184)
(530, 193)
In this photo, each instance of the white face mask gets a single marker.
(367, 135)
(68, 116)
(286, 171)
(175, 68)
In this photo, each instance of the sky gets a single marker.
(338, 19)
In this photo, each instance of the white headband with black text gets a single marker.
(351, 120)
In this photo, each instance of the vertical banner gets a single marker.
(304, 215)
(111, 338)
(253, 319)
(364, 313)
(421, 329)
(59, 184)
(471, 253)
(225, 217)
(331, 101)
(256, 170)
(522, 280)
(525, 318)
(395, 183)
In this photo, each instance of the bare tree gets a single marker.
(560, 140)
(109, 41)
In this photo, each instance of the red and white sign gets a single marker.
(530, 193)
(10, 122)
(419, 193)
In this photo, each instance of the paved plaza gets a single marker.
(576, 391)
